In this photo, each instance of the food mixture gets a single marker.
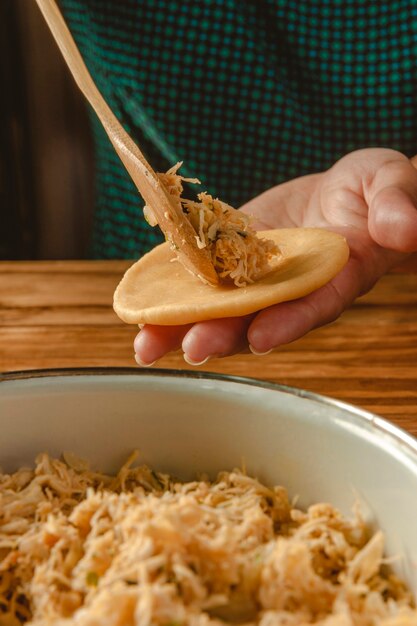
(237, 253)
(79, 547)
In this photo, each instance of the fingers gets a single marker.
(272, 327)
(288, 321)
(199, 342)
(392, 219)
(214, 338)
(153, 342)
(275, 326)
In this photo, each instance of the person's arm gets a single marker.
(370, 196)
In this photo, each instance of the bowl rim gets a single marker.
(396, 434)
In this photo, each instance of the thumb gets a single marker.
(392, 218)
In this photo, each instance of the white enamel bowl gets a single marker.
(187, 423)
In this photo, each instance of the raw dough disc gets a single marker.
(158, 290)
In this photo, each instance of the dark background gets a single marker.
(46, 152)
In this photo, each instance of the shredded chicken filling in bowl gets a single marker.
(237, 253)
(79, 547)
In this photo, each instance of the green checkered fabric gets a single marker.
(247, 94)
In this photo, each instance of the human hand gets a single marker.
(370, 197)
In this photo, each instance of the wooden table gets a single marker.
(59, 314)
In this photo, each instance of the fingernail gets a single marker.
(252, 349)
(142, 363)
(190, 361)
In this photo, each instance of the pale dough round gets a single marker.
(158, 290)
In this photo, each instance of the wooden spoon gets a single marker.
(169, 215)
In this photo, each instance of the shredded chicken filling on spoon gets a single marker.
(237, 253)
(140, 548)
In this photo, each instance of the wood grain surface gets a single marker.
(59, 314)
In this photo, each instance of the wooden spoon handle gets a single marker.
(169, 215)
